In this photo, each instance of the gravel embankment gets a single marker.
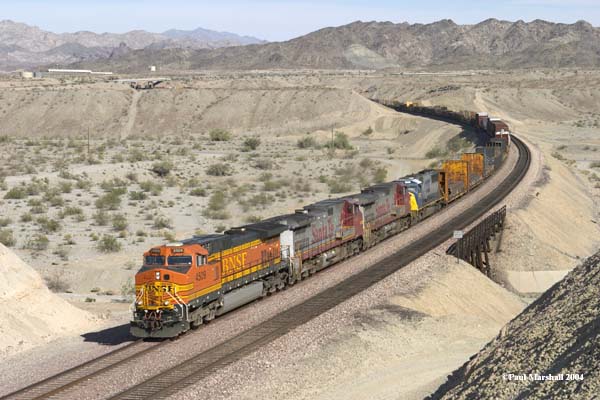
(534, 354)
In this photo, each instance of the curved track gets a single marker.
(192, 370)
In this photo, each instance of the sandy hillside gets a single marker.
(30, 314)
(557, 334)
(411, 333)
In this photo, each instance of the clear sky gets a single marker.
(278, 20)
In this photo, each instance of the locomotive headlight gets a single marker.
(139, 303)
(167, 303)
(157, 275)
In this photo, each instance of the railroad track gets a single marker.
(200, 366)
(52, 387)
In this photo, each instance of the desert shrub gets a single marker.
(70, 211)
(48, 225)
(27, 217)
(38, 242)
(154, 188)
(168, 236)
(68, 239)
(65, 186)
(340, 141)
(307, 143)
(265, 176)
(339, 186)
(271, 186)
(558, 156)
(100, 217)
(90, 300)
(366, 163)
(35, 188)
(83, 184)
(219, 135)
(162, 168)
(379, 175)
(108, 244)
(251, 219)
(132, 176)
(5, 221)
(109, 201)
(200, 192)
(53, 198)
(62, 252)
(217, 205)
(263, 163)
(128, 288)
(119, 222)
(114, 185)
(7, 238)
(261, 200)
(56, 282)
(141, 233)
(436, 152)
(16, 193)
(136, 155)
(137, 196)
(457, 143)
(162, 222)
(219, 169)
(251, 143)
(367, 132)
(595, 164)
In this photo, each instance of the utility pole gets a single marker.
(332, 148)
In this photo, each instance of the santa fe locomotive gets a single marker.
(185, 284)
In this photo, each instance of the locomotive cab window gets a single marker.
(180, 260)
(181, 264)
(154, 260)
(200, 260)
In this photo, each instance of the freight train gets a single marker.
(183, 285)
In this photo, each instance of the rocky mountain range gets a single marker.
(379, 45)
(25, 46)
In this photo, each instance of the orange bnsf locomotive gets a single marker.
(184, 284)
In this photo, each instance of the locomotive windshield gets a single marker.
(154, 260)
(180, 260)
(180, 264)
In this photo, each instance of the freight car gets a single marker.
(184, 284)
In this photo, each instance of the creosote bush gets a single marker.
(7, 238)
(162, 168)
(162, 222)
(38, 242)
(219, 135)
(251, 143)
(307, 143)
(108, 244)
(119, 222)
(219, 169)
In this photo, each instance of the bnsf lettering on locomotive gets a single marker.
(236, 261)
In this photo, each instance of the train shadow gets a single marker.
(110, 336)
